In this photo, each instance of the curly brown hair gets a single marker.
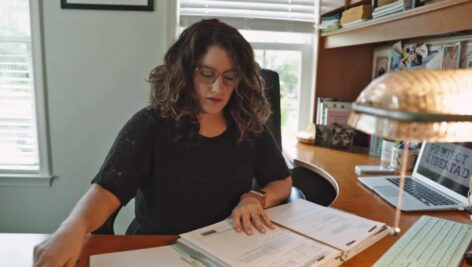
(172, 90)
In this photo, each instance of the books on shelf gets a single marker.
(330, 23)
(338, 116)
(361, 12)
(354, 23)
(392, 8)
(308, 235)
(319, 109)
(330, 111)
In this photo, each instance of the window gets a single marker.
(22, 121)
(292, 59)
(281, 33)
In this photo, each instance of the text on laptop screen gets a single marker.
(449, 164)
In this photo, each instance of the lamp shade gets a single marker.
(417, 105)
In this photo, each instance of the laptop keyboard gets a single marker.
(423, 193)
(429, 242)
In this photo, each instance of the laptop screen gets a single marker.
(449, 164)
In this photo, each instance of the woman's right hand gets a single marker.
(61, 249)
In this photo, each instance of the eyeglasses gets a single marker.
(209, 75)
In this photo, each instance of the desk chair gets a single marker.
(307, 184)
(311, 185)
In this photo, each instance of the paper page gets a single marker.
(278, 247)
(149, 257)
(334, 227)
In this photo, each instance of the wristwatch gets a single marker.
(258, 194)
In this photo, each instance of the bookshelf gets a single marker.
(443, 17)
(344, 63)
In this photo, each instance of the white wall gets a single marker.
(96, 65)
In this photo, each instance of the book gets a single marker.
(320, 109)
(393, 7)
(354, 23)
(307, 235)
(337, 116)
(335, 111)
(330, 23)
(362, 12)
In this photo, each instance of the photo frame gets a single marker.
(466, 59)
(381, 62)
(451, 56)
(137, 5)
(334, 136)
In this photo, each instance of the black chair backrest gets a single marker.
(272, 93)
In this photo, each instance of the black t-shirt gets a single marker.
(179, 186)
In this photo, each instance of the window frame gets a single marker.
(307, 89)
(43, 176)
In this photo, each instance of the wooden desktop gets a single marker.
(338, 166)
(357, 199)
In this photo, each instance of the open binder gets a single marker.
(308, 235)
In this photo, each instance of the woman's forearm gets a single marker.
(92, 210)
(62, 248)
(277, 191)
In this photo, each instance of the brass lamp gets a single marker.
(416, 105)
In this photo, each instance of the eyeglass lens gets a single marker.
(209, 76)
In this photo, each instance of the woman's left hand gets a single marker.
(248, 213)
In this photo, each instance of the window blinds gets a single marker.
(278, 15)
(18, 135)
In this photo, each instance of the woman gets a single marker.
(189, 159)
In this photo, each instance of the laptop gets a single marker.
(440, 179)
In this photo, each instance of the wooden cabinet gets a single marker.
(344, 62)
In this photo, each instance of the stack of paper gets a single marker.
(149, 257)
(308, 235)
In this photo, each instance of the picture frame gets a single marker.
(466, 58)
(136, 5)
(451, 54)
(381, 62)
(334, 136)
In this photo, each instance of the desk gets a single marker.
(357, 199)
(16, 249)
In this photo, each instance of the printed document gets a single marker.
(334, 227)
(277, 247)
